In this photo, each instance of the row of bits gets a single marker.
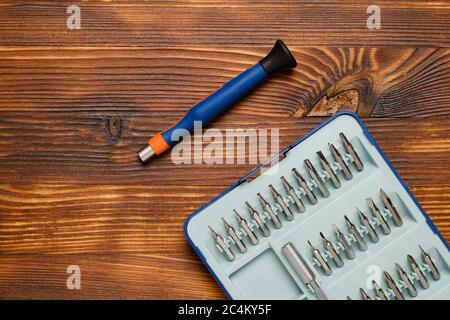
(369, 227)
(340, 164)
(418, 274)
(294, 194)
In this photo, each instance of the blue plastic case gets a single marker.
(262, 272)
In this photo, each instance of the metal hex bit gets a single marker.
(268, 209)
(302, 182)
(232, 233)
(257, 218)
(343, 241)
(406, 280)
(290, 190)
(221, 243)
(244, 225)
(349, 148)
(366, 223)
(317, 179)
(419, 274)
(323, 263)
(302, 269)
(332, 251)
(364, 295)
(334, 178)
(378, 291)
(340, 160)
(393, 286)
(354, 231)
(279, 199)
(377, 214)
(392, 209)
(430, 263)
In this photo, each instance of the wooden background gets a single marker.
(76, 105)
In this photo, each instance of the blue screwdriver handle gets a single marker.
(220, 101)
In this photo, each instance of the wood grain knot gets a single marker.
(114, 126)
(345, 101)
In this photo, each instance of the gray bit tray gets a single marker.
(263, 272)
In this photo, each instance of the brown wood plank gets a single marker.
(31, 276)
(76, 105)
(116, 219)
(55, 149)
(382, 82)
(230, 23)
(107, 242)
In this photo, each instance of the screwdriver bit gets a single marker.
(244, 225)
(359, 239)
(302, 182)
(334, 178)
(378, 291)
(284, 207)
(257, 218)
(290, 190)
(332, 251)
(392, 209)
(323, 263)
(406, 280)
(337, 156)
(377, 214)
(364, 295)
(302, 269)
(317, 179)
(393, 286)
(268, 209)
(232, 233)
(343, 241)
(221, 243)
(349, 147)
(430, 263)
(366, 223)
(419, 274)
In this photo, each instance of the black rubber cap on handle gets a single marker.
(278, 58)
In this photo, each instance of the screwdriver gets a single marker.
(302, 269)
(220, 101)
